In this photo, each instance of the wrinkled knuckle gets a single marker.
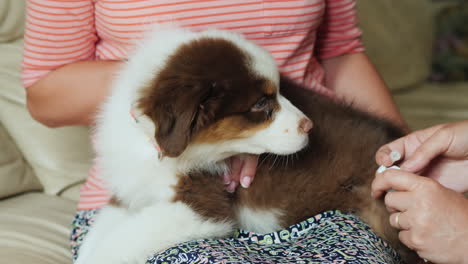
(445, 132)
(419, 220)
(388, 198)
(405, 241)
(378, 177)
(374, 185)
(386, 174)
(430, 186)
(378, 180)
(425, 225)
(416, 241)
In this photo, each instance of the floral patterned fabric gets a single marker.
(329, 237)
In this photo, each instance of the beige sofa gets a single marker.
(41, 169)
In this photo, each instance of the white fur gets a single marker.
(260, 221)
(120, 236)
(129, 163)
(283, 136)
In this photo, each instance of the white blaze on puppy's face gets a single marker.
(288, 133)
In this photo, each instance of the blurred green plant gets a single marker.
(450, 62)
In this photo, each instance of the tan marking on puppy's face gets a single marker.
(243, 125)
(228, 129)
(269, 88)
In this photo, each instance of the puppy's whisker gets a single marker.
(274, 162)
(263, 160)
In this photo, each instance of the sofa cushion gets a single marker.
(16, 176)
(59, 157)
(35, 228)
(398, 36)
(430, 104)
(12, 14)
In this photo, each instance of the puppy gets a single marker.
(184, 103)
(187, 101)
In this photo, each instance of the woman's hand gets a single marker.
(433, 219)
(439, 152)
(243, 168)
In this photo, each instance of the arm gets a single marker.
(348, 70)
(64, 84)
(354, 79)
(71, 94)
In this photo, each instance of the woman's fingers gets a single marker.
(400, 221)
(242, 170)
(383, 155)
(231, 178)
(398, 201)
(449, 141)
(398, 180)
(436, 145)
(249, 169)
(406, 145)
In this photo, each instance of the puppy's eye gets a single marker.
(261, 105)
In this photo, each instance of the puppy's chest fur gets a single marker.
(334, 171)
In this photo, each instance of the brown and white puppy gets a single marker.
(200, 98)
(184, 103)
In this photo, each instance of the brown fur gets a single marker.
(115, 202)
(193, 190)
(334, 172)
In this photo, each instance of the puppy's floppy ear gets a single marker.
(175, 110)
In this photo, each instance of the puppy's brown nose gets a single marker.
(305, 125)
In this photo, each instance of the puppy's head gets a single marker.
(213, 93)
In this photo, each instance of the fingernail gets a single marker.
(226, 178)
(245, 181)
(231, 187)
(395, 156)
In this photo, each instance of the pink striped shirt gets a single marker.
(298, 33)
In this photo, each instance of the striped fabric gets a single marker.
(298, 33)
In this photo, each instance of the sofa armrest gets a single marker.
(12, 13)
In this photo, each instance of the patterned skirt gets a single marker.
(329, 237)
